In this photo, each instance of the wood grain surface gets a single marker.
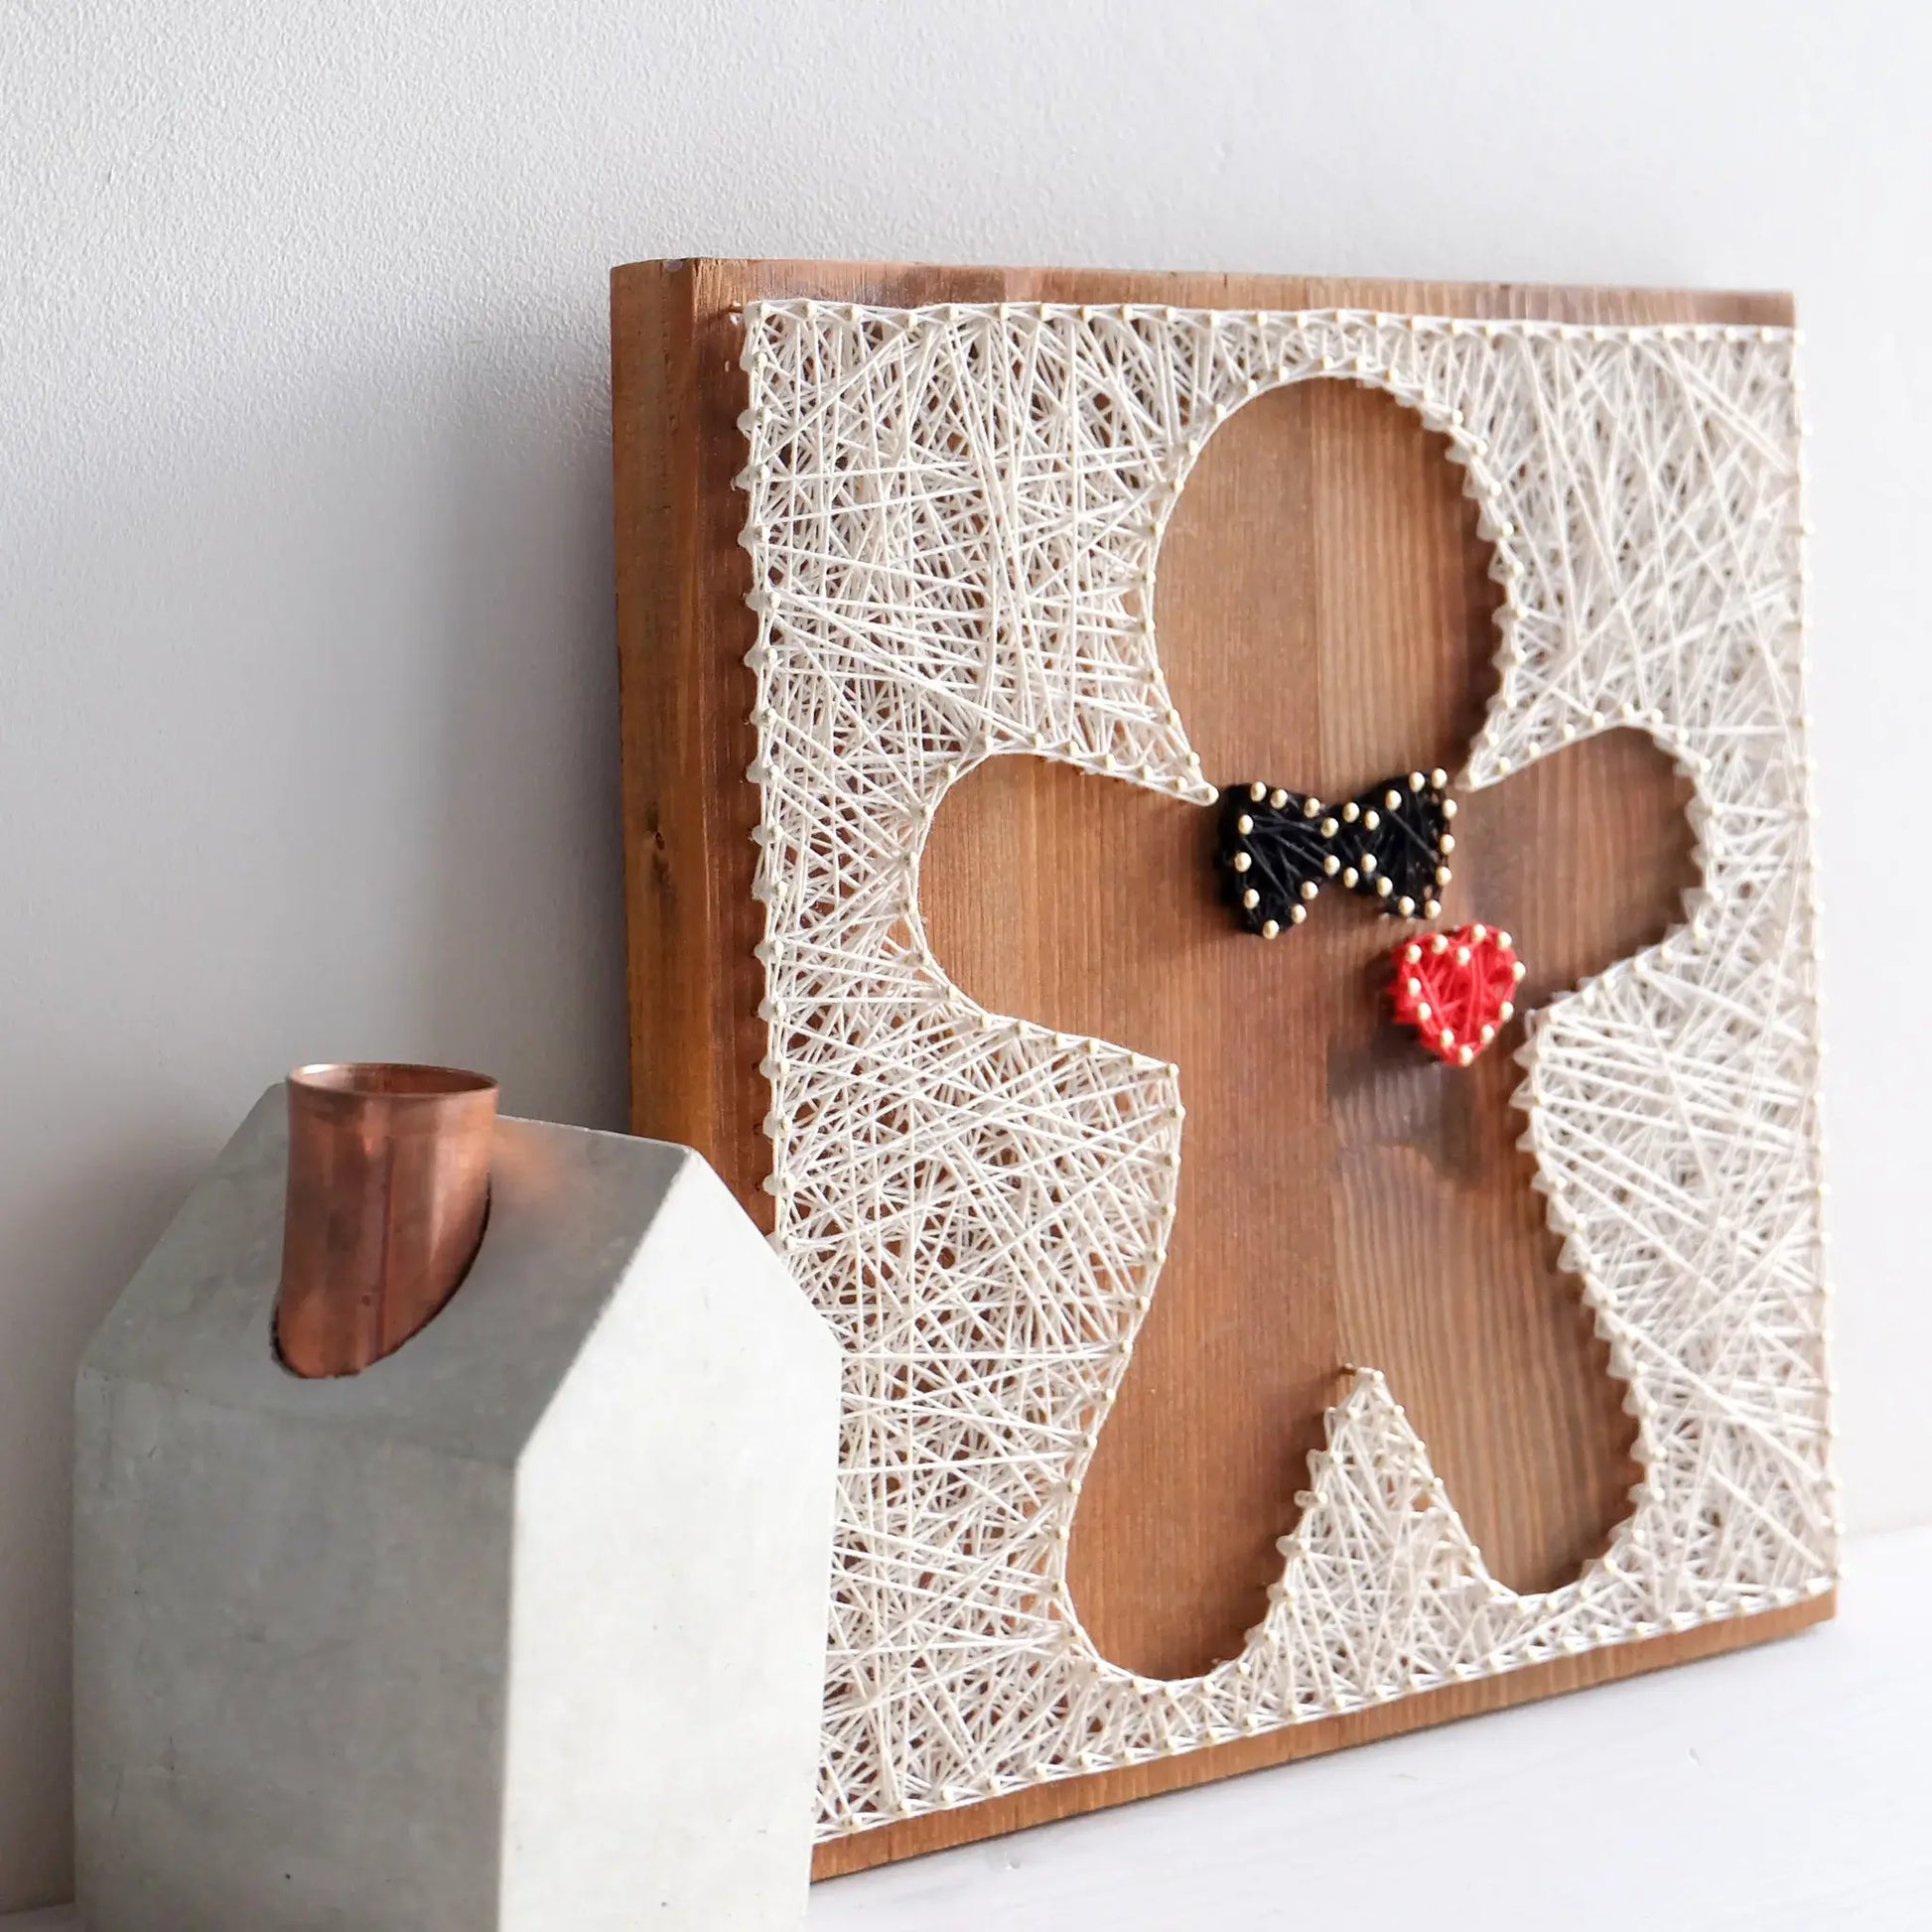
(1324, 617)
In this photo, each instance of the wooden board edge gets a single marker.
(652, 460)
(909, 284)
(685, 698)
(1073, 1797)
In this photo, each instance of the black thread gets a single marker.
(1280, 848)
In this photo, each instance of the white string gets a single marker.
(954, 516)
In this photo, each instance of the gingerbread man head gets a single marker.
(1348, 1197)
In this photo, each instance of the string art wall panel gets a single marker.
(1227, 863)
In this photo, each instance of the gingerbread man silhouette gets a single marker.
(1345, 1199)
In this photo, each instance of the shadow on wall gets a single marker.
(311, 751)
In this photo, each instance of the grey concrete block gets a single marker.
(521, 1628)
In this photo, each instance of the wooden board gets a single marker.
(1325, 618)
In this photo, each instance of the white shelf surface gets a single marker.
(1781, 1788)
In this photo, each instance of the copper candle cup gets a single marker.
(389, 1194)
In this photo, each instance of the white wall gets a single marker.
(306, 700)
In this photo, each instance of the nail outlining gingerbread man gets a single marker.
(1351, 1191)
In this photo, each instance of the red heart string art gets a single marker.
(1455, 987)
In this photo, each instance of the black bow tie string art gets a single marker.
(1390, 843)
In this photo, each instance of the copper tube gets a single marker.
(388, 1192)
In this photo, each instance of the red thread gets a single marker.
(1457, 989)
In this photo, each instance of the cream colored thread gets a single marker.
(953, 519)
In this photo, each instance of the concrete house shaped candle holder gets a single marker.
(520, 1627)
